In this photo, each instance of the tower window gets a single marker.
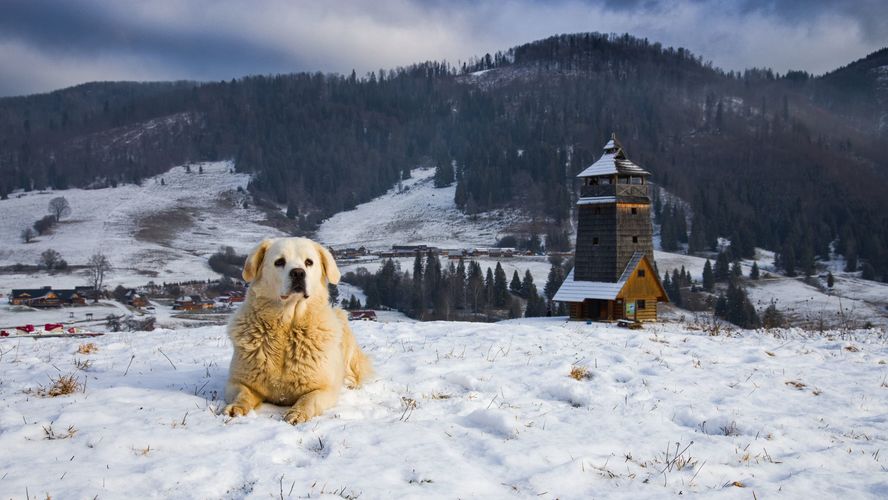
(635, 239)
(595, 240)
(634, 210)
(637, 180)
(641, 273)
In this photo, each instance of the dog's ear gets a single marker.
(254, 260)
(331, 270)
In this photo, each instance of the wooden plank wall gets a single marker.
(629, 225)
(597, 262)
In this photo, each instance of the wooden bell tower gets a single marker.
(614, 275)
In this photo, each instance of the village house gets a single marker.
(192, 303)
(46, 297)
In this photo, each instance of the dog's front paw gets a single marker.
(296, 416)
(235, 410)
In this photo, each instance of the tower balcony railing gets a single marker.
(633, 190)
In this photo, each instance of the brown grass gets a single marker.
(61, 386)
(796, 383)
(579, 373)
(87, 348)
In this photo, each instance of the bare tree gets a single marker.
(59, 207)
(28, 234)
(50, 259)
(97, 265)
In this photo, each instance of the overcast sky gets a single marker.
(45, 45)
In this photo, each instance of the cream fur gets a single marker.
(288, 349)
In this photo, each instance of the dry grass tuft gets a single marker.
(61, 386)
(579, 373)
(52, 435)
(87, 348)
(852, 348)
(82, 364)
(796, 383)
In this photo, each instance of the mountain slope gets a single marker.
(461, 410)
(779, 160)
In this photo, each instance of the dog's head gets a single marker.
(290, 269)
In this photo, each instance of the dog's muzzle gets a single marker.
(297, 281)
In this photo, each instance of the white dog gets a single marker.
(290, 346)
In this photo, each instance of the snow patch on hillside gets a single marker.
(462, 410)
(160, 230)
(415, 213)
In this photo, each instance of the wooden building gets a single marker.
(46, 297)
(614, 275)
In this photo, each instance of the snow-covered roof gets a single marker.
(577, 290)
(596, 200)
(611, 163)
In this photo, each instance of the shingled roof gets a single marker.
(613, 161)
(577, 291)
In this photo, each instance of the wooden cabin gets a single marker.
(36, 297)
(614, 275)
(46, 297)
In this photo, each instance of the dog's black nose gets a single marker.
(297, 273)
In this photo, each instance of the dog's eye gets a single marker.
(280, 262)
(308, 262)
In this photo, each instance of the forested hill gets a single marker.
(788, 162)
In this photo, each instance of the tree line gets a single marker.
(744, 149)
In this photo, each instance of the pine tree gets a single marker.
(489, 288)
(722, 267)
(830, 280)
(372, 292)
(736, 270)
(430, 278)
(417, 297)
(515, 284)
(697, 240)
(554, 280)
(475, 286)
(668, 230)
(740, 310)
(675, 290)
(458, 285)
(536, 305)
(808, 265)
(708, 277)
(527, 285)
(754, 272)
(500, 287)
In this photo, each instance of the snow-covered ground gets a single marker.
(156, 231)
(461, 410)
(417, 213)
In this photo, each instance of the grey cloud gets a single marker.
(47, 44)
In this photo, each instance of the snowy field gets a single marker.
(156, 231)
(461, 410)
(416, 214)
